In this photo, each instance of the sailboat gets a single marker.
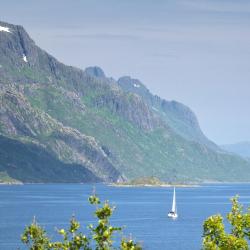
(173, 213)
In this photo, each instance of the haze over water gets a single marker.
(142, 210)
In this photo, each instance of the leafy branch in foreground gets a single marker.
(215, 237)
(100, 236)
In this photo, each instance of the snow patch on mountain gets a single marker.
(25, 58)
(6, 29)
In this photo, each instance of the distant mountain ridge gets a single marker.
(240, 148)
(178, 116)
(62, 124)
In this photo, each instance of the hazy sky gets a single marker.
(193, 51)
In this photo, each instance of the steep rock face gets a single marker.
(22, 61)
(19, 119)
(95, 71)
(88, 123)
(132, 109)
(178, 116)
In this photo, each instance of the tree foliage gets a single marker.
(99, 237)
(216, 238)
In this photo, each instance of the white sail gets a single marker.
(173, 213)
(174, 203)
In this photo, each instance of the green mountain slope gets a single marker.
(28, 162)
(91, 124)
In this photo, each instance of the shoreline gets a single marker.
(156, 185)
(123, 185)
(11, 183)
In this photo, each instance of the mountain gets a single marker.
(63, 124)
(240, 148)
(178, 116)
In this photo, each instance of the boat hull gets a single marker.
(173, 215)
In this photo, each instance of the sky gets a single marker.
(193, 51)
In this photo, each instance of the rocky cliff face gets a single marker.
(62, 124)
(20, 120)
(176, 115)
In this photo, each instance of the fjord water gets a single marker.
(142, 209)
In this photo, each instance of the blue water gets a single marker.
(142, 210)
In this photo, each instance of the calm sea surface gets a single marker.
(142, 210)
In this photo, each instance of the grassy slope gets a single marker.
(140, 153)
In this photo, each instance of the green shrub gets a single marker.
(100, 237)
(216, 238)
